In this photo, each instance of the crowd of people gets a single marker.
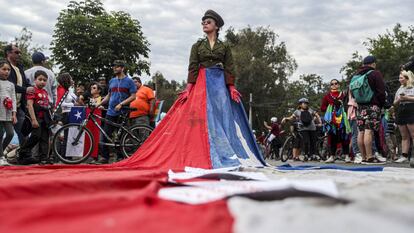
(34, 98)
(360, 120)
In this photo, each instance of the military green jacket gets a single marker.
(203, 56)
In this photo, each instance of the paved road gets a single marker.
(340, 163)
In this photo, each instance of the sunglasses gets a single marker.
(206, 22)
(17, 52)
(94, 88)
(332, 84)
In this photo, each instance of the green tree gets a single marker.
(26, 46)
(391, 49)
(87, 39)
(263, 66)
(165, 90)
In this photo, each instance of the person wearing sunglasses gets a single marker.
(336, 121)
(207, 126)
(211, 52)
(404, 101)
(21, 85)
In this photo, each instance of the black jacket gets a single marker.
(19, 89)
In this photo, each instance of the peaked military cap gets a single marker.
(213, 15)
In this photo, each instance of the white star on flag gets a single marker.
(78, 115)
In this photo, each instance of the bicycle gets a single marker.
(322, 147)
(286, 152)
(272, 149)
(128, 139)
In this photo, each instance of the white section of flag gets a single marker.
(207, 191)
(75, 150)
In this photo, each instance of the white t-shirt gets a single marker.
(408, 91)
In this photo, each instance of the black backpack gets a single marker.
(306, 118)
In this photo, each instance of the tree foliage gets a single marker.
(166, 90)
(87, 39)
(26, 46)
(391, 49)
(263, 66)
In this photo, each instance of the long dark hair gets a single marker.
(65, 80)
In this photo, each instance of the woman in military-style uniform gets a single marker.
(207, 126)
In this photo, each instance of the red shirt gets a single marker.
(330, 98)
(275, 129)
(39, 98)
(60, 92)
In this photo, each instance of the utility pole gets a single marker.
(251, 110)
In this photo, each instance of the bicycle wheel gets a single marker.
(287, 149)
(69, 143)
(132, 140)
(322, 147)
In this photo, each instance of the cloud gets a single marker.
(320, 35)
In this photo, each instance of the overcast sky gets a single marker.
(320, 35)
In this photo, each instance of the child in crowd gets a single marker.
(38, 107)
(66, 92)
(7, 109)
(390, 137)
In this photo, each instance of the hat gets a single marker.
(118, 63)
(303, 100)
(38, 57)
(213, 15)
(102, 78)
(369, 60)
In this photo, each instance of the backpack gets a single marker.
(360, 88)
(306, 118)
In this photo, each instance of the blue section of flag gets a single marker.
(77, 114)
(230, 137)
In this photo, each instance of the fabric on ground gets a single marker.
(96, 200)
(209, 130)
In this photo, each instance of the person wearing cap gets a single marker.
(122, 91)
(39, 61)
(104, 85)
(369, 114)
(211, 52)
(21, 85)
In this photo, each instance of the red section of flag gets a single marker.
(95, 134)
(181, 139)
(99, 201)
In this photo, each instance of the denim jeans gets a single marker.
(354, 139)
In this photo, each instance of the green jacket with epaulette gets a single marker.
(203, 56)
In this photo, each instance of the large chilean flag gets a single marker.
(209, 130)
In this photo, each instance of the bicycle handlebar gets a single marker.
(126, 108)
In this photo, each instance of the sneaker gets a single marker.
(373, 161)
(402, 159)
(347, 159)
(102, 161)
(331, 159)
(358, 158)
(3, 162)
(379, 157)
(302, 158)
